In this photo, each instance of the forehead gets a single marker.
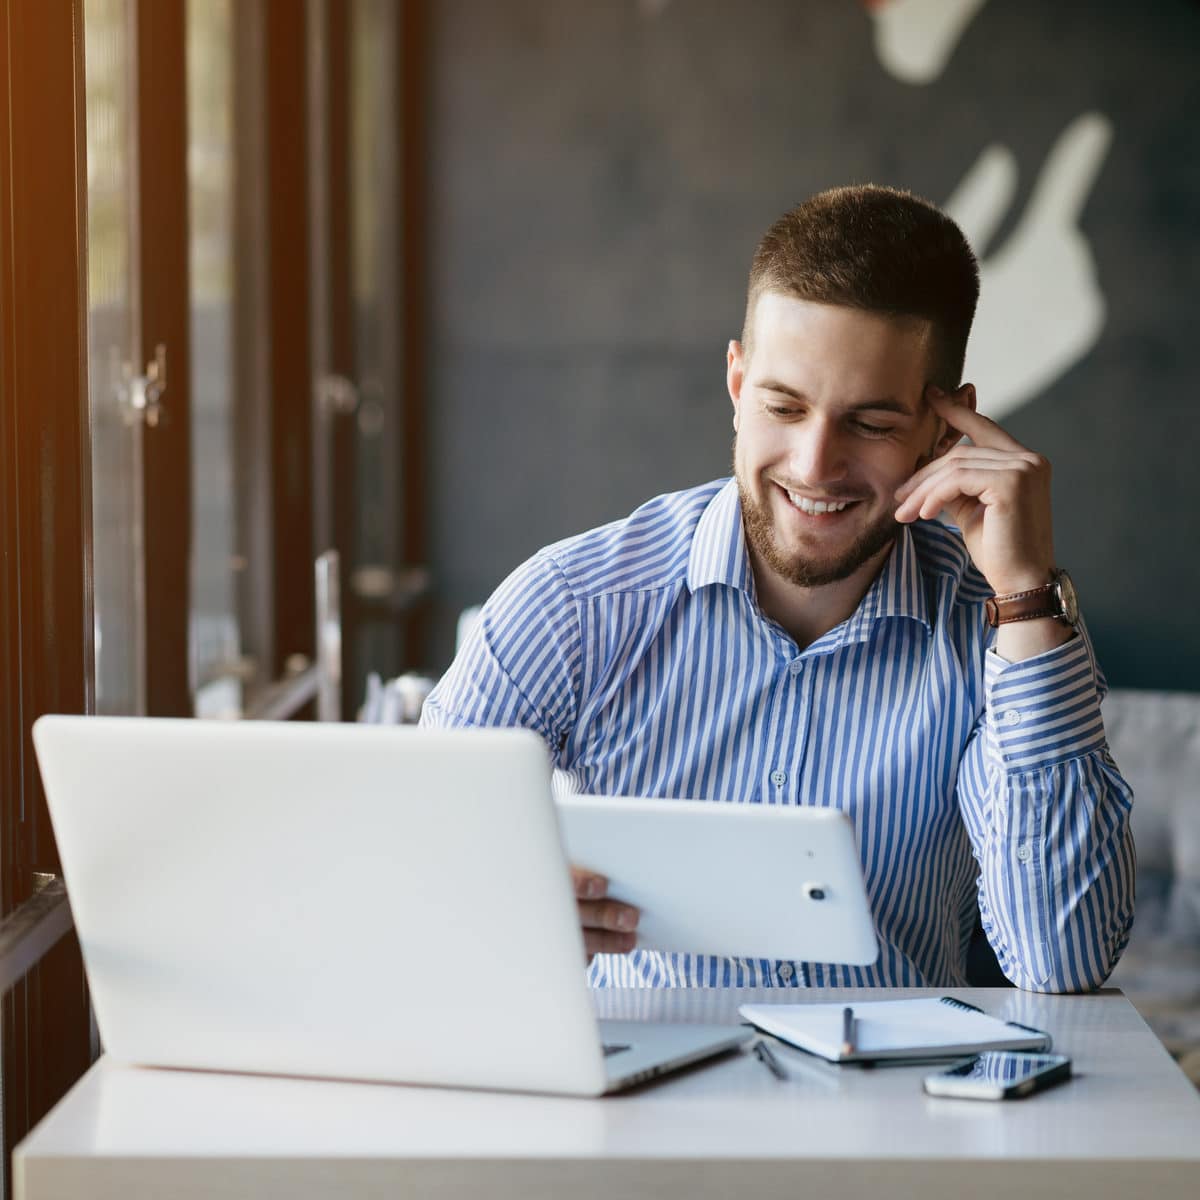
(830, 347)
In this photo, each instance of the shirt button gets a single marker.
(797, 666)
(1010, 716)
(779, 778)
(1024, 852)
(785, 971)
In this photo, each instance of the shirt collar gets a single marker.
(719, 544)
(898, 591)
(719, 556)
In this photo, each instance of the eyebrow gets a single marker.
(882, 404)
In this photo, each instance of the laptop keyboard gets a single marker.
(611, 1048)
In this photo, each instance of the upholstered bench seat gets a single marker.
(1155, 739)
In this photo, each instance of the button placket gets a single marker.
(785, 744)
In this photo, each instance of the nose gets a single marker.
(817, 454)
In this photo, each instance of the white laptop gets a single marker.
(374, 903)
(736, 880)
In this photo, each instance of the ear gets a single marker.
(948, 436)
(735, 373)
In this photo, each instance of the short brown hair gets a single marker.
(878, 249)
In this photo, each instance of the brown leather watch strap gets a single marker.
(1025, 606)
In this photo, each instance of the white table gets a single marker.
(1128, 1124)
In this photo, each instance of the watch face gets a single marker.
(1066, 594)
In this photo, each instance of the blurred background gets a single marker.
(599, 176)
(511, 246)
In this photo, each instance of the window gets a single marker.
(185, 334)
(118, 428)
(217, 672)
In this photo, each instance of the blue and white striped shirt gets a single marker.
(640, 655)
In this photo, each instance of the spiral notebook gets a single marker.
(927, 1027)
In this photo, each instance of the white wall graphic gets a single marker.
(1040, 305)
(914, 39)
(1041, 308)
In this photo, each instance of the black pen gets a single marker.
(765, 1056)
(848, 1032)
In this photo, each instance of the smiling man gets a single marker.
(808, 632)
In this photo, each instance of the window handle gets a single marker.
(145, 391)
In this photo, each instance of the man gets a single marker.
(808, 633)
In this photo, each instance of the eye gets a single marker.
(782, 410)
(869, 430)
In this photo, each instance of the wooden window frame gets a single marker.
(47, 661)
(46, 650)
(290, 344)
(163, 274)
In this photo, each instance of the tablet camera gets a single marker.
(815, 891)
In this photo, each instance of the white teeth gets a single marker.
(804, 504)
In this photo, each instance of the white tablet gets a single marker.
(737, 880)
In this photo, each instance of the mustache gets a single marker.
(825, 491)
(829, 493)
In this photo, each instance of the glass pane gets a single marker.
(112, 350)
(213, 628)
(374, 287)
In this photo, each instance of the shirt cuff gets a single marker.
(1043, 710)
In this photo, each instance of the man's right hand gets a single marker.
(608, 925)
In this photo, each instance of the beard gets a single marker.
(807, 572)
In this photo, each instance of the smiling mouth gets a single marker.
(830, 506)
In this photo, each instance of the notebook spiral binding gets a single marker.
(962, 1005)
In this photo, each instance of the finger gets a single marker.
(956, 457)
(960, 456)
(602, 942)
(958, 415)
(928, 501)
(608, 914)
(1069, 173)
(957, 480)
(588, 884)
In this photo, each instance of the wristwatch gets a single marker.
(1055, 599)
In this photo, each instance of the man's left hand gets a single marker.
(996, 491)
(998, 494)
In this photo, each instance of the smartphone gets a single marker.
(1000, 1075)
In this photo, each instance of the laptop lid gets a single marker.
(331, 900)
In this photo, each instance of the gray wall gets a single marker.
(601, 172)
